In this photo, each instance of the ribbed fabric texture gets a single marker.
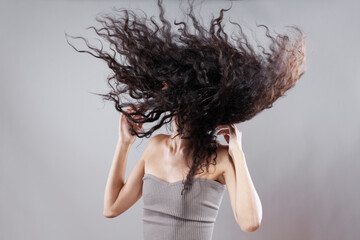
(168, 215)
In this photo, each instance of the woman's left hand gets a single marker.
(233, 137)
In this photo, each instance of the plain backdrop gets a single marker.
(57, 139)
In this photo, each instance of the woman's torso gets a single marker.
(166, 213)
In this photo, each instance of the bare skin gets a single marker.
(164, 158)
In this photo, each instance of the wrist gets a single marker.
(121, 142)
(237, 151)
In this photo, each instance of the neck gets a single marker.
(178, 144)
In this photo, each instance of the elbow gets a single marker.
(250, 228)
(108, 213)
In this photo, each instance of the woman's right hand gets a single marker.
(124, 128)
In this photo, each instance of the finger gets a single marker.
(123, 117)
(221, 126)
(139, 127)
(235, 129)
(232, 127)
(126, 110)
(129, 109)
(224, 131)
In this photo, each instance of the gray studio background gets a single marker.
(57, 139)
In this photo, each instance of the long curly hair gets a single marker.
(210, 80)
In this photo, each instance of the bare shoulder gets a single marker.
(158, 138)
(223, 161)
(223, 154)
(154, 143)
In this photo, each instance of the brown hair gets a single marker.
(211, 81)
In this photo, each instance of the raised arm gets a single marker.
(121, 194)
(244, 199)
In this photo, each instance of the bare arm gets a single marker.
(116, 178)
(120, 194)
(247, 202)
(244, 199)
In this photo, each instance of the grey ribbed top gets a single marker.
(168, 215)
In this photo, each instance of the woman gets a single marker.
(201, 83)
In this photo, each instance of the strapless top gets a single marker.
(168, 215)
